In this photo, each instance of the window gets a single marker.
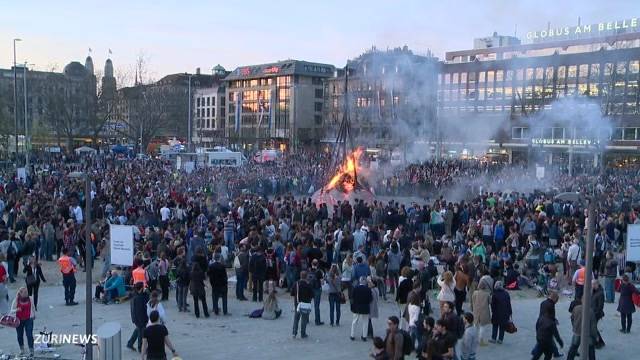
(318, 106)
(213, 101)
(198, 102)
(318, 93)
(318, 119)
(208, 101)
(617, 134)
(630, 133)
(208, 112)
(519, 133)
(558, 133)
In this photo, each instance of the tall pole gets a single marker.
(26, 121)
(15, 95)
(585, 330)
(88, 266)
(189, 118)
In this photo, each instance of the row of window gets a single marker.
(561, 133)
(280, 81)
(205, 101)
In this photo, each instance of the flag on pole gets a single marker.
(238, 110)
(110, 52)
(90, 50)
(272, 105)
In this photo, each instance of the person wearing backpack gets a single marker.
(395, 340)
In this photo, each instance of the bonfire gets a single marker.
(345, 185)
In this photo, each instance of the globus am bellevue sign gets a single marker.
(584, 30)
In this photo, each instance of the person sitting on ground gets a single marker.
(271, 310)
(114, 287)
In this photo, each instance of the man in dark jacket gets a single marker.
(258, 270)
(138, 316)
(597, 302)
(218, 279)
(242, 273)
(302, 293)
(360, 300)
(316, 277)
(546, 331)
(548, 306)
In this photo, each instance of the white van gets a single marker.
(225, 158)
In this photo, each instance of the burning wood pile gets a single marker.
(345, 185)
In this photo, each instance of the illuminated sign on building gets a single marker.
(245, 71)
(602, 28)
(271, 70)
(579, 142)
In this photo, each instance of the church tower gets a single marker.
(108, 82)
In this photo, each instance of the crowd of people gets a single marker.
(258, 224)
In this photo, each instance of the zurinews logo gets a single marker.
(65, 339)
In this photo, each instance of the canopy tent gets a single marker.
(85, 149)
(120, 149)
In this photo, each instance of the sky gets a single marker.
(179, 36)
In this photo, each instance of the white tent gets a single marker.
(85, 149)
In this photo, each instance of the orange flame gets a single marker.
(346, 176)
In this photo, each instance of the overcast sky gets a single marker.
(178, 36)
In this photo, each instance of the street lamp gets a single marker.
(189, 117)
(88, 264)
(27, 141)
(585, 337)
(15, 94)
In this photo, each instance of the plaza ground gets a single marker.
(238, 337)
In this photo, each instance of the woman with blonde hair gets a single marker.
(25, 312)
(447, 285)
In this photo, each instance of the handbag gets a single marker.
(236, 263)
(343, 299)
(511, 328)
(303, 307)
(9, 321)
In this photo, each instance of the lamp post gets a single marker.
(15, 94)
(189, 117)
(88, 260)
(27, 141)
(585, 329)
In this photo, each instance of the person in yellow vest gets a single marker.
(68, 267)
(139, 275)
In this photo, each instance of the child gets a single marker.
(469, 344)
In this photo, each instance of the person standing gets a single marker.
(139, 316)
(4, 292)
(626, 308)
(394, 340)
(241, 266)
(25, 312)
(218, 279)
(49, 237)
(500, 312)
(33, 277)
(196, 286)
(258, 271)
(183, 277)
(156, 337)
(360, 306)
(548, 306)
(163, 275)
(68, 266)
(335, 295)
(481, 302)
(610, 274)
(447, 285)
(597, 302)
(576, 324)
(460, 290)
(469, 342)
(316, 277)
(302, 294)
(154, 304)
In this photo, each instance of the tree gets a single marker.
(148, 109)
(101, 114)
(66, 113)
